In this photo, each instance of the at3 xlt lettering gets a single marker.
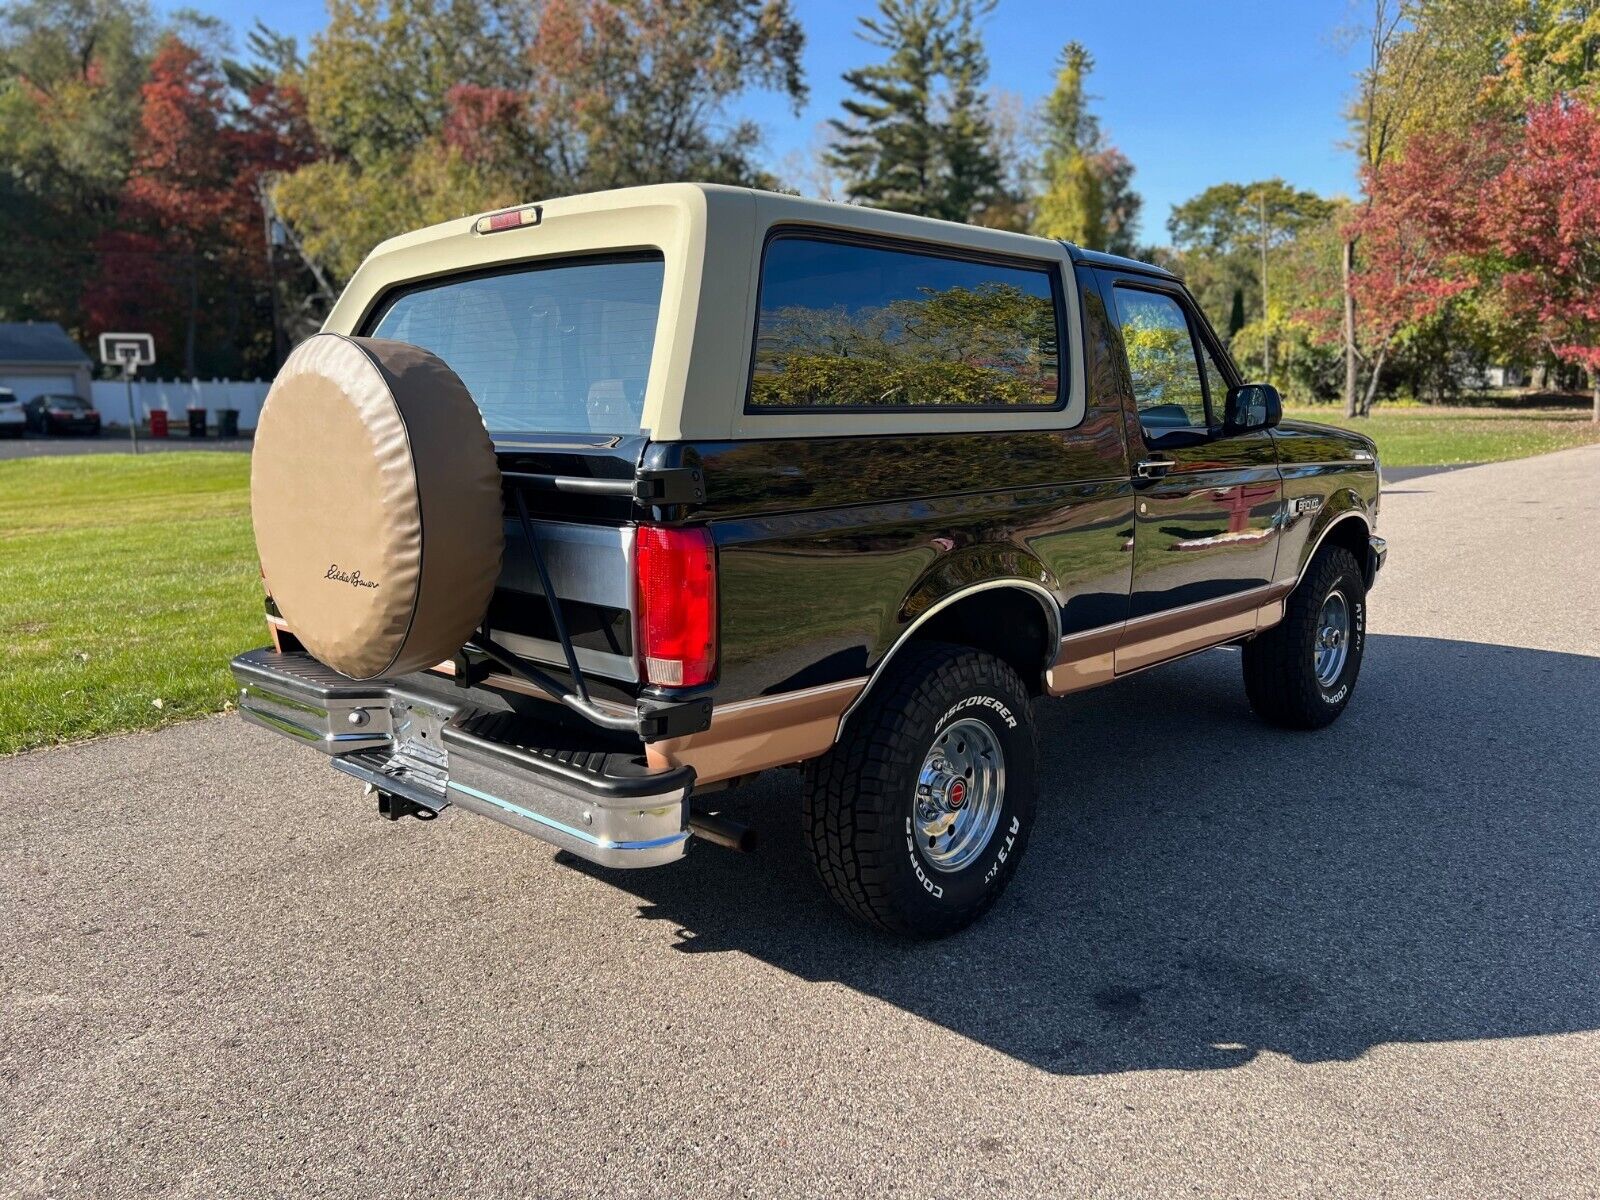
(673, 485)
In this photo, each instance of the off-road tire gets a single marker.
(860, 797)
(1280, 677)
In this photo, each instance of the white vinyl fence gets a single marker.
(177, 396)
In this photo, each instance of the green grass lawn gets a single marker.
(126, 584)
(1422, 436)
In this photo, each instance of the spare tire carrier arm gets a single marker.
(669, 720)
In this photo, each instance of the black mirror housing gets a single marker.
(1252, 406)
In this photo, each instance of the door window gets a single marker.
(1216, 384)
(1161, 361)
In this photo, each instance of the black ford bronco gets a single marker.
(578, 513)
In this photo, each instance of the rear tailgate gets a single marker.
(557, 354)
(585, 536)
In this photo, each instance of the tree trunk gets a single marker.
(1347, 264)
(272, 282)
(1266, 312)
(192, 320)
(1594, 388)
(1372, 383)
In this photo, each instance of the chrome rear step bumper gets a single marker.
(600, 804)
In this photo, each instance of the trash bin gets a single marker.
(158, 422)
(227, 422)
(197, 422)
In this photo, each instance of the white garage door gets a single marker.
(28, 386)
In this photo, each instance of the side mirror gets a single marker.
(1253, 406)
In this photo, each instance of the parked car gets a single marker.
(12, 418)
(578, 513)
(62, 414)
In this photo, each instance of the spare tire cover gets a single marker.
(376, 500)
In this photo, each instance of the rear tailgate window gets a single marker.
(556, 347)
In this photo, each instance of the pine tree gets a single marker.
(917, 134)
(1073, 204)
(972, 170)
(1088, 197)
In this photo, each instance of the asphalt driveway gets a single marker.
(1237, 961)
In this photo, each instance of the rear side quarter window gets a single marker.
(845, 324)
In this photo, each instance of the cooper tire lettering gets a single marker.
(928, 885)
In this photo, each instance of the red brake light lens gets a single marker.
(677, 620)
(511, 218)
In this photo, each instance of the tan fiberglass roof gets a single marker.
(710, 237)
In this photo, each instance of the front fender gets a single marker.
(1305, 528)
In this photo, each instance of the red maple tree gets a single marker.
(1421, 236)
(1541, 216)
(188, 251)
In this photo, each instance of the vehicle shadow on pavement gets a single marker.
(1201, 888)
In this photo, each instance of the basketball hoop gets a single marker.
(130, 351)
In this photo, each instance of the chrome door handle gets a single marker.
(1153, 468)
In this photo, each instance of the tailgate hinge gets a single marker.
(670, 485)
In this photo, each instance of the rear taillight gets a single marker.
(676, 571)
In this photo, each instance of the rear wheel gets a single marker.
(918, 817)
(1300, 674)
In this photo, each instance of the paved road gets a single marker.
(1237, 962)
(109, 442)
(1395, 475)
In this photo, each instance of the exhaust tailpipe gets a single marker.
(722, 831)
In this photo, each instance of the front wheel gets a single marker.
(1300, 673)
(917, 819)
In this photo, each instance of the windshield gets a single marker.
(556, 348)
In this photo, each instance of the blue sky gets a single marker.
(1193, 91)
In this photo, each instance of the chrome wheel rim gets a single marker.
(960, 791)
(1331, 645)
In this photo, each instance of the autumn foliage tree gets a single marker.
(1500, 218)
(1421, 237)
(1541, 220)
(188, 252)
(636, 91)
(174, 202)
(70, 74)
(1464, 73)
(431, 109)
